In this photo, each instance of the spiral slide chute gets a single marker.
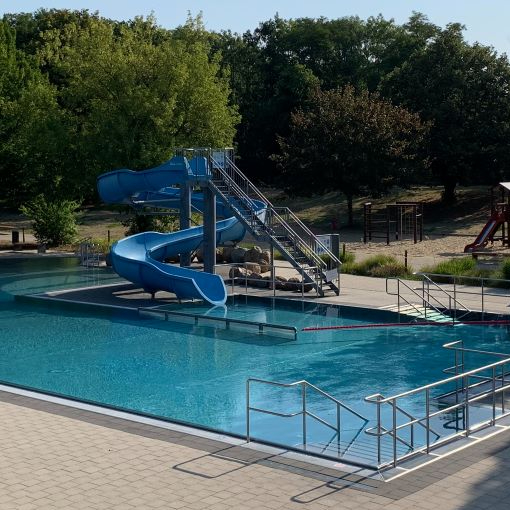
(139, 258)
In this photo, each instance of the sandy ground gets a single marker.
(440, 240)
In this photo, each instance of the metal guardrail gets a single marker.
(261, 327)
(454, 305)
(421, 298)
(469, 283)
(304, 412)
(497, 386)
(240, 194)
(89, 253)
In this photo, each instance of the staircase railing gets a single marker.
(490, 398)
(454, 305)
(304, 411)
(420, 296)
(278, 223)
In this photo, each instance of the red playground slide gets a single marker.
(487, 233)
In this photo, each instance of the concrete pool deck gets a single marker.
(60, 457)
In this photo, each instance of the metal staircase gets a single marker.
(278, 226)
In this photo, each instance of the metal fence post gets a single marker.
(248, 411)
(427, 414)
(394, 409)
(303, 398)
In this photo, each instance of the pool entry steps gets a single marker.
(469, 405)
(226, 192)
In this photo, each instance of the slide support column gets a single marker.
(209, 246)
(185, 218)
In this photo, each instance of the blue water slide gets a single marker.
(140, 258)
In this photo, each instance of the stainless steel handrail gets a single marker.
(481, 281)
(307, 243)
(304, 411)
(226, 320)
(497, 387)
(451, 298)
(413, 291)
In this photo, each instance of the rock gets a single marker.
(237, 255)
(258, 281)
(227, 253)
(265, 261)
(238, 272)
(251, 266)
(280, 282)
(253, 255)
(200, 255)
(293, 283)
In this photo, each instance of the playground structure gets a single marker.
(498, 220)
(398, 221)
(208, 181)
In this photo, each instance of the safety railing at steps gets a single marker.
(420, 296)
(469, 286)
(455, 307)
(89, 253)
(273, 224)
(495, 388)
(304, 412)
(377, 430)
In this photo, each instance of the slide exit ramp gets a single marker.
(278, 226)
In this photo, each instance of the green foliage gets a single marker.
(102, 244)
(151, 223)
(505, 269)
(458, 266)
(54, 223)
(350, 141)
(378, 266)
(461, 89)
(347, 257)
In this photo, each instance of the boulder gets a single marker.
(253, 267)
(237, 255)
(238, 272)
(227, 253)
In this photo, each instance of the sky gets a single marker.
(487, 22)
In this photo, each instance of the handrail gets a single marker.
(439, 383)
(481, 281)
(497, 387)
(226, 320)
(456, 302)
(399, 295)
(304, 411)
(243, 187)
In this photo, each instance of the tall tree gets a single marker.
(464, 91)
(351, 142)
(132, 99)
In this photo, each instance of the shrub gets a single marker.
(390, 270)
(150, 223)
(347, 257)
(53, 223)
(461, 266)
(505, 269)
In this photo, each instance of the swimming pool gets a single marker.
(197, 375)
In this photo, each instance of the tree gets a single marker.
(349, 141)
(30, 135)
(133, 94)
(465, 92)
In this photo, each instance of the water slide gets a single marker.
(140, 258)
(487, 233)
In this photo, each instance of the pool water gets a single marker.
(198, 374)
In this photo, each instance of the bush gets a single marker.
(505, 270)
(378, 266)
(464, 266)
(390, 270)
(54, 223)
(150, 223)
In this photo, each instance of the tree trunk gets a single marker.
(449, 190)
(350, 218)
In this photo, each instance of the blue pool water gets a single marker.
(198, 374)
